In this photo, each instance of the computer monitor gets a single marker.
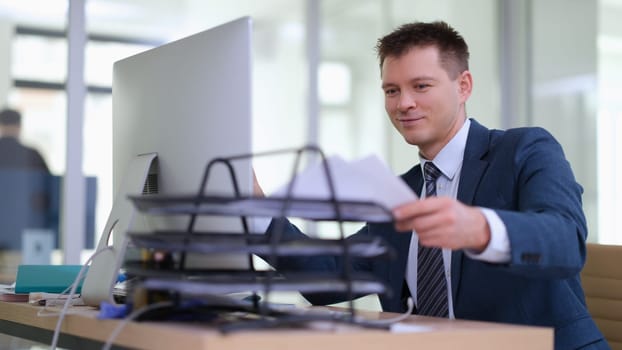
(188, 102)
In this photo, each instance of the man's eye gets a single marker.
(422, 86)
(390, 92)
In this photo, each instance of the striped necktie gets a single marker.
(431, 283)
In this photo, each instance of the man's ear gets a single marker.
(465, 85)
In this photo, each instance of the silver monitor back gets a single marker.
(188, 101)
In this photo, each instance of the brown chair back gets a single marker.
(602, 282)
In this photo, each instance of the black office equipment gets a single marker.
(164, 274)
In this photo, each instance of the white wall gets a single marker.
(564, 77)
(6, 33)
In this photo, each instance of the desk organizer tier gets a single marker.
(163, 273)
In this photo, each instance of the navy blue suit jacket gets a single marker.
(523, 175)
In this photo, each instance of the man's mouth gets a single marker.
(409, 120)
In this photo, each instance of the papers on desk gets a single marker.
(7, 293)
(366, 180)
(54, 299)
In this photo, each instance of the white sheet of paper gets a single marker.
(367, 179)
(387, 188)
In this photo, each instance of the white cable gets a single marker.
(131, 317)
(72, 291)
(48, 306)
(54, 309)
(389, 321)
(344, 316)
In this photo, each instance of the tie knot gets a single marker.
(430, 172)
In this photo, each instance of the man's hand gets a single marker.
(444, 222)
(257, 190)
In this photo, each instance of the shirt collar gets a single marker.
(449, 159)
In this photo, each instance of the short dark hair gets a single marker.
(453, 50)
(10, 117)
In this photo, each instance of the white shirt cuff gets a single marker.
(498, 249)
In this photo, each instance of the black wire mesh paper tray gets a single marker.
(259, 244)
(199, 283)
(304, 208)
(164, 268)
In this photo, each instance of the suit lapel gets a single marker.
(473, 168)
(414, 179)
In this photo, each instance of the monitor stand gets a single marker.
(104, 270)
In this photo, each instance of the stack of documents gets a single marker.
(365, 180)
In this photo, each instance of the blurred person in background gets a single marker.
(14, 154)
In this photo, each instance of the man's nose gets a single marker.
(406, 101)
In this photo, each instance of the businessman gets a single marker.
(499, 232)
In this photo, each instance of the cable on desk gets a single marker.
(293, 319)
(301, 317)
(46, 310)
(72, 291)
(388, 321)
(131, 317)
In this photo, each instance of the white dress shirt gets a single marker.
(449, 162)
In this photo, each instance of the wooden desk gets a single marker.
(85, 331)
